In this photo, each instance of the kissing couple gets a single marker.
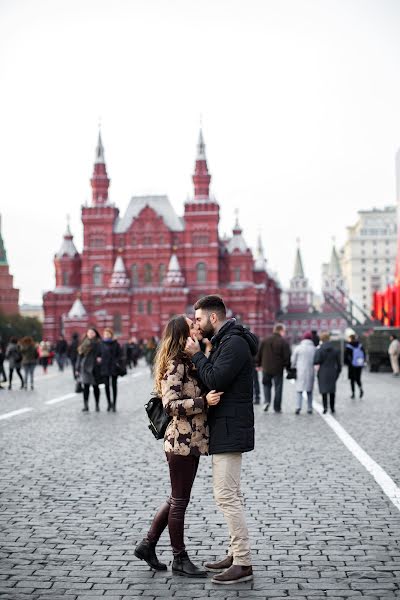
(209, 397)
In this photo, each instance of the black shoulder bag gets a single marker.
(157, 416)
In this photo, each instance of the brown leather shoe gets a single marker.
(235, 574)
(221, 565)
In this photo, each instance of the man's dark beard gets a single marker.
(208, 330)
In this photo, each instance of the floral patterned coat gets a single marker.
(187, 432)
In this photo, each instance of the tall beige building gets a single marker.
(368, 257)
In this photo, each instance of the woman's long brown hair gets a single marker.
(172, 345)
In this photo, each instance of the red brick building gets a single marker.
(137, 270)
(8, 294)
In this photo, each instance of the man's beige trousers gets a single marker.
(229, 498)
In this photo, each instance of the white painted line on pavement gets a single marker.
(61, 398)
(14, 413)
(387, 484)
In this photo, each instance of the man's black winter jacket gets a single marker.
(229, 369)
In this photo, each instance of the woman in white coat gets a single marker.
(303, 361)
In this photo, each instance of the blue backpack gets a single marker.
(358, 355)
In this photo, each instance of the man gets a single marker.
(274, 356)
(228, 369)
(394, 352)
(61, 352)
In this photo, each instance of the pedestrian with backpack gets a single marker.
(354, 358)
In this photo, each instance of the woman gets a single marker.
(44, 353)
(14, 356)
(303, 361)
(29, 358)
(110, 354)
(354, 358)
(88, 366)
(328, 359)
(186, 439)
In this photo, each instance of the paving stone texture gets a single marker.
(78, 491)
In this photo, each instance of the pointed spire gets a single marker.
(174, 275)
(237, 230)
(201, 177)
(99, 155)
(334, 265)
(77, 310)
(100, 181)
(119, 278)
(298, 266)
(201, 147)
(3, 253)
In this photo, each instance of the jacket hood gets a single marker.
(233, 328)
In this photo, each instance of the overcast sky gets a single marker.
(300, 102)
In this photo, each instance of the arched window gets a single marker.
(161, 273)
(134, 275)
(236, 274)
(65, 278)
(97, 275)
(149, 307)
(148, 273)
(117, 322)
(201, 272)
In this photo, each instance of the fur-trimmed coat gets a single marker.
(183, 400)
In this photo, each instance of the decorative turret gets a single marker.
(3, 253)
(332, 281)
(260, 264)
(237, 241)
(100, 181)
(201, 177)
(67, 247)
(300, 295)
(67, 262)
(8, 294)
(119, 278)
(298, 272)
(77, 310)
(174, 275)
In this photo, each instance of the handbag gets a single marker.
(120, 368)
(291, 373)
(157, 416)
(78, 387)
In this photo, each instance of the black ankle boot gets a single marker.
(147, 551)
(182, 565)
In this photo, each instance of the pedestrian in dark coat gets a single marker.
(273, 357)
(88, 366)
(354, 358)
(228, 369)
(30, 356)
(328, 359)
(61, 352)
(110, 365)
(14, 356)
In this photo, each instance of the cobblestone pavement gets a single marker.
(78, 491)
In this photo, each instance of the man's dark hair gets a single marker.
(212, 304)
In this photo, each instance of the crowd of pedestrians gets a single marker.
(315, 357)
(95, 360)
